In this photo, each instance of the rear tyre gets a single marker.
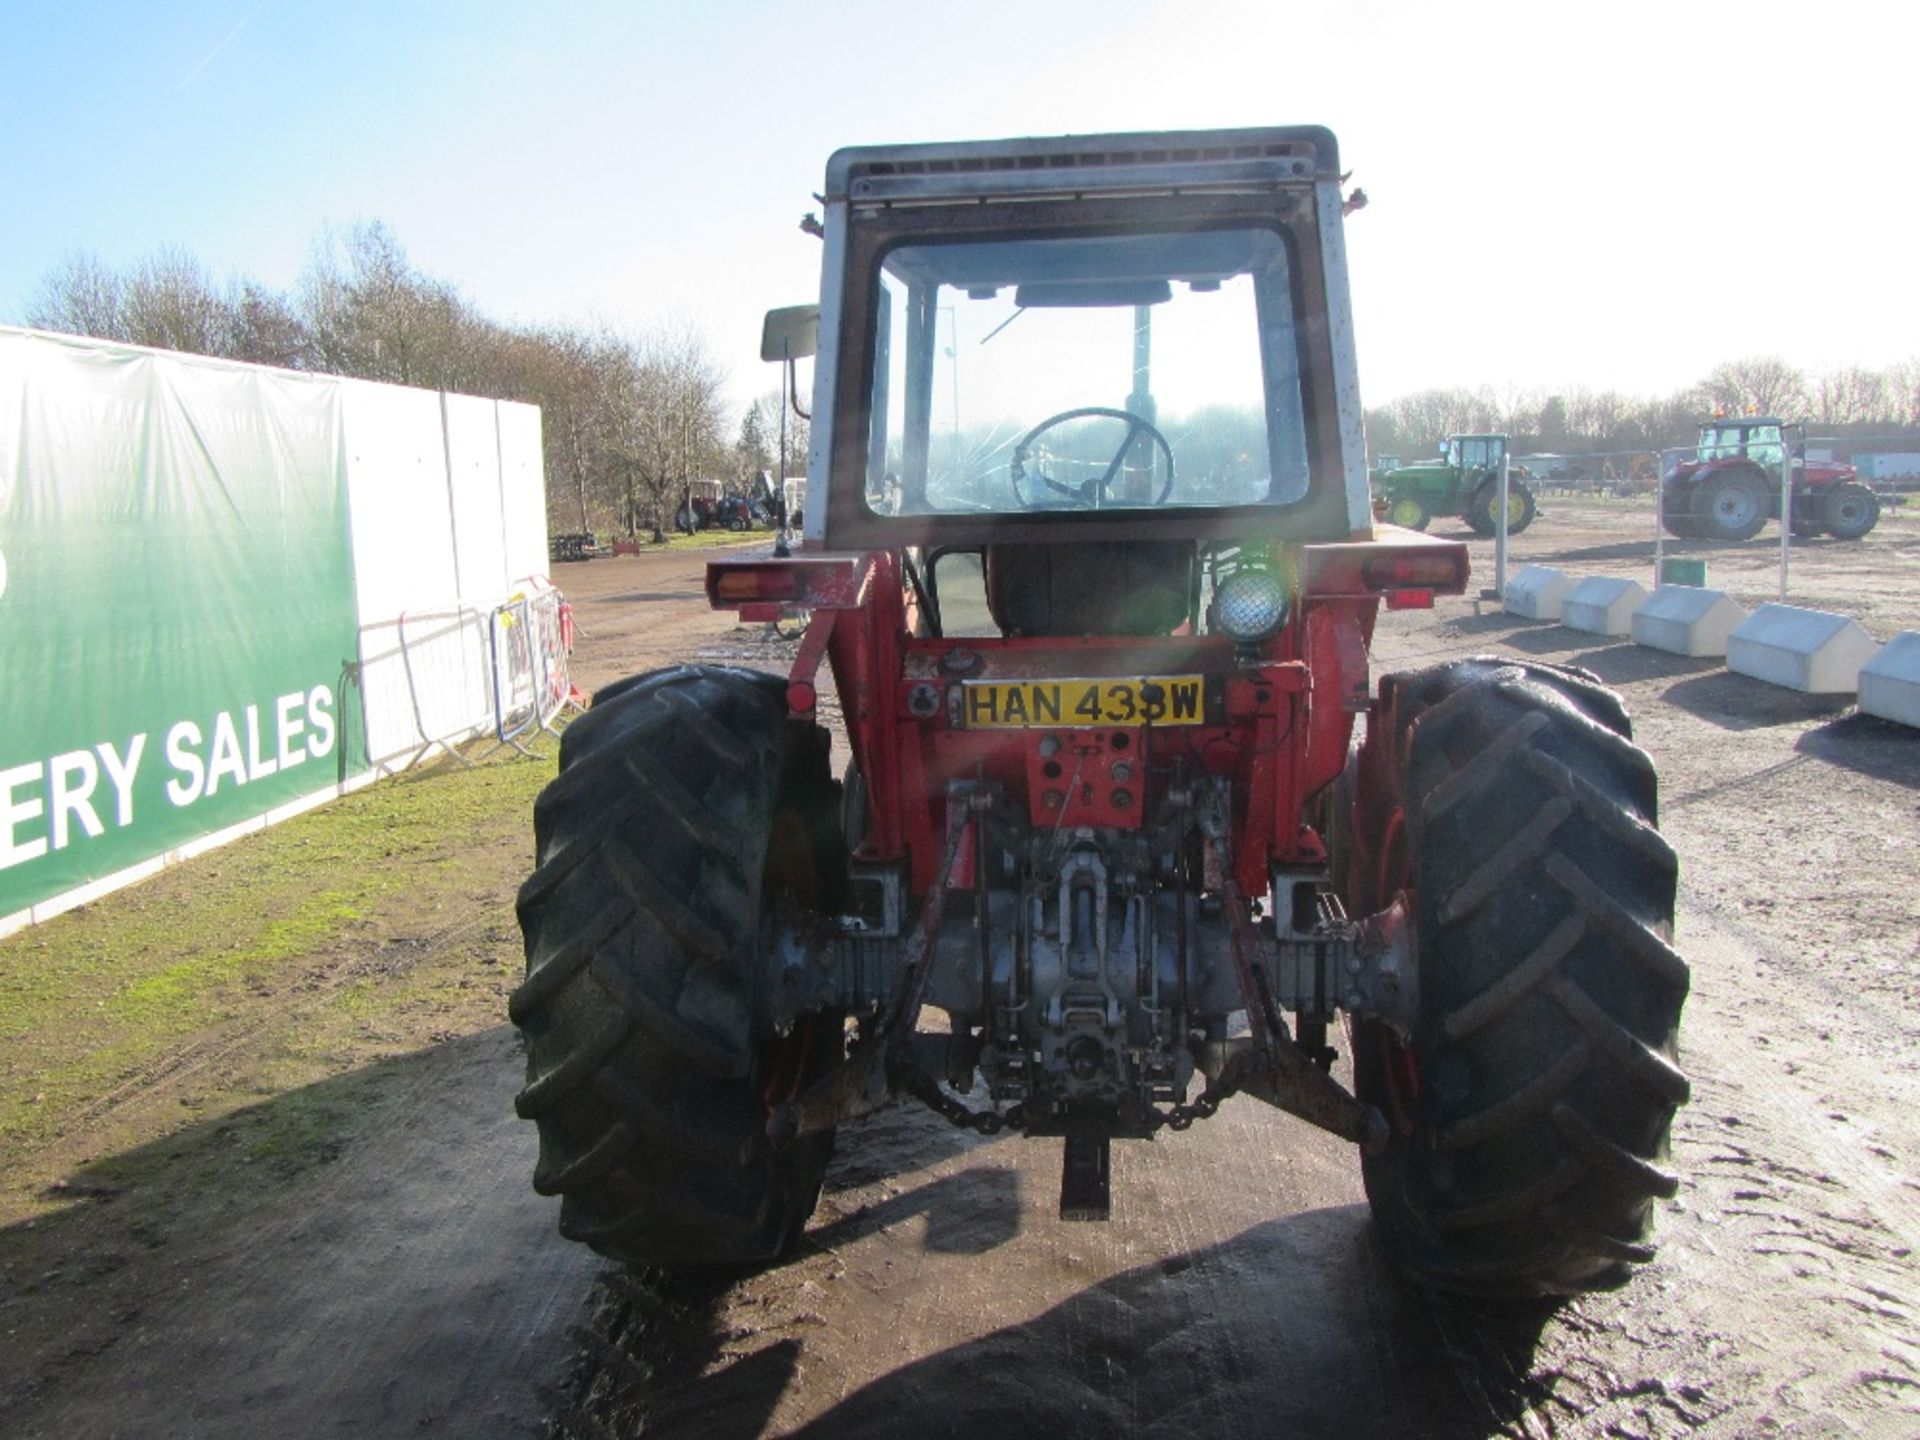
(686, 808)
(1677, 512)
(1529, 1110)
(1483, 513)
(1732, 506)
(1849, 511)
(1410, 511)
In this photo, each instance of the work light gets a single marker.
(1250, 605)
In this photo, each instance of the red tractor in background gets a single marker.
(1730, 488)
(1099, 666)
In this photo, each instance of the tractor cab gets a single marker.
(1763, 440)
(1070, 396)
(1474, 452)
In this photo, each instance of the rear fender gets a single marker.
(1342, 588)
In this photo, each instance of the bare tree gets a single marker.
(1756, 384)
(557, 370)
(1852, 396)
(263, 328)
(170, 302)
(1426, 417)
(765, 414)
(80, 296)
(371, 314)
(1903, 393)
(678, 423)
(753, 451)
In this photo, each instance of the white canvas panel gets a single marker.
(479, 529)
(13, 382)
(397, 492)
(523, 488)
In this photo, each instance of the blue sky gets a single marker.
(1610, 195)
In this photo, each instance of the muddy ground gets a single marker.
(402, 1278)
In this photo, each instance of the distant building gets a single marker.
(1876, 457)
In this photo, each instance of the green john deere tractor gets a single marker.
(1463, 481)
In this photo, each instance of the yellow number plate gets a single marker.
(1067, 704)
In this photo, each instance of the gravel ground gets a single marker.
(413, 1283)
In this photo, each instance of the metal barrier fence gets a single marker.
(516, 699)
(432, 679)
(531, 634)
(1792, 496)
(425, 679)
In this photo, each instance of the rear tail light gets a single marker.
(1431, 571)
(743, 584)
(823, 584)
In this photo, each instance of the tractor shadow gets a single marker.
(1292, 1327)
(1168, 1350)
(969, 1212)
(896, 1141)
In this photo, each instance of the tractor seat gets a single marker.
(1130, 587)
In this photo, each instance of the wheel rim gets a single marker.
(789, 877)
(1399, 1069)
(1849, 513)
(784, 1062)
(1407, 513)
(1735, 507)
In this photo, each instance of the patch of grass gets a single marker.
(178, 990)
(288, 953)
(710, 539)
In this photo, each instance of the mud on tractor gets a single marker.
(1462, 482)
(1106, 851)
(1730, 487)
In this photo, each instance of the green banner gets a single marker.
(176, 596)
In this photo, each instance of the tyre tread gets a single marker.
(1550, 988)
(641, 920)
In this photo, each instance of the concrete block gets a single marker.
(1535, 592)
(1602, 605)
(1806, 650)
(1683, 620)
(1890, 682)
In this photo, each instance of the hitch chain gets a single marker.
(926, 1089)
(1204, 1107)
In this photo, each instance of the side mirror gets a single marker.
(790, 334)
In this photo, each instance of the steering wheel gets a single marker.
(1090, 491)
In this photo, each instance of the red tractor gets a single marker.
(1103, 810)
(1730, 487)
